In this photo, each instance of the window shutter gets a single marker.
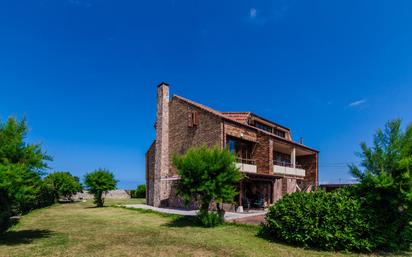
(195, 118)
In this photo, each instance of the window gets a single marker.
(282, 159)
(231, 145)
(269, 129)
(241, 148)
(279, 133)
(264, 127)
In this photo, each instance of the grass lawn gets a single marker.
(78, 229)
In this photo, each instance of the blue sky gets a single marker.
(84, 72)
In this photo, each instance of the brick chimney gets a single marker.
(161, 168)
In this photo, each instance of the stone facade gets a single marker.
(234, 130)
(182, 137)
(310, 164)
(182, 124)
(150, 165)
(262, 154)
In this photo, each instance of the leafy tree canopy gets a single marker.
(140, 192)
(21, 167)
(14, 150)
(385, 185)
(62, 184)
(206, 175)
(98, 182)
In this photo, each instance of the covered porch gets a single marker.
(258, 191)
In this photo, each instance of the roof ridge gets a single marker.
(238, 112)
(207, 108)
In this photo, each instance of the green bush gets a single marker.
(375, 214)
(209, 219)
(140, 192)
(331, 221)
(45, 197)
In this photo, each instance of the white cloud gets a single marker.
(252, 13)
(357, 103)
(81, 3)
(274, 13)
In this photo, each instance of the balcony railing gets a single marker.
(286, 168)
(246, 165)
(286, 164)
(246, 161)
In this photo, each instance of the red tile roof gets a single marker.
(241, 117)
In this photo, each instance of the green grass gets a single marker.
(79, 229)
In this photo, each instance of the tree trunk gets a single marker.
(5, 211)
(205, 206)
(98, 199)
(220, 211)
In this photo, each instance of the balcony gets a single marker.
(287, 169)
(246, 165)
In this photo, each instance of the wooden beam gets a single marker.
(241, 194)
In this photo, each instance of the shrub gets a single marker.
(62, 185)
(206, 175)
(385, 187)
(46, 197)
(140, 192)
(99, 182)
(331, 221)
(376, 214)
(208, 219)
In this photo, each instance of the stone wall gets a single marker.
(113, 194)
(263, 154)
(150, 163)
(277, 189)
(288, 185)
(310, 164)
(235, 130)
(182, 136)
(176, 201)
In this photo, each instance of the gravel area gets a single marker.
(229, 216)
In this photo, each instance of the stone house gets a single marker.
(274, 164)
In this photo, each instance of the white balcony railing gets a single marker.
(246, 165)
(288, 169)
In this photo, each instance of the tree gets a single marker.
(21, 167)
(386, 185)
(62, 184)
(206, 175)
(140, 192)
(99, 182)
